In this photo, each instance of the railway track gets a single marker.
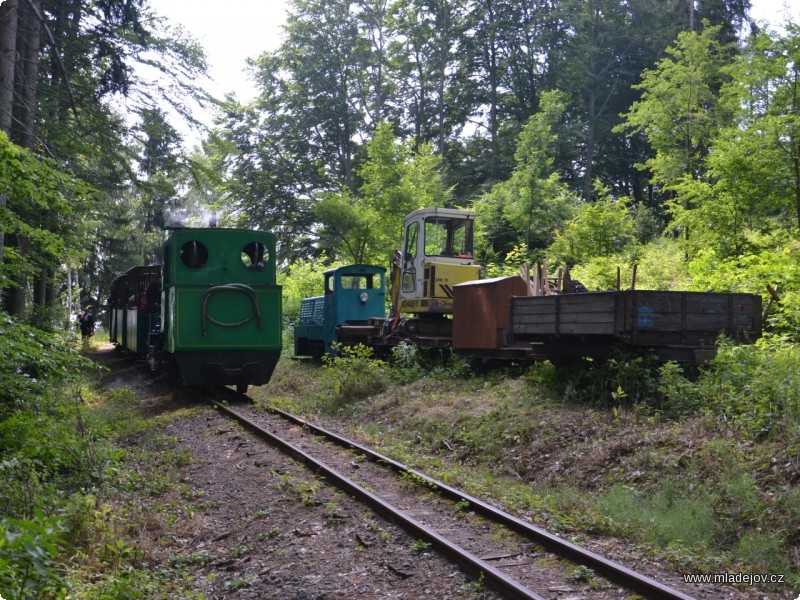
(512, 556)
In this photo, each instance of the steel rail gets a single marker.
(494, 578)
(641, 584)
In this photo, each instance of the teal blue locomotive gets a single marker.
(210, 312)
(353, 295)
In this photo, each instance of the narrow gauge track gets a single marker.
(469, 561)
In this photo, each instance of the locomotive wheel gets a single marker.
(241, 388)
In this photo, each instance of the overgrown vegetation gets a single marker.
(64, 526)
(353, 373)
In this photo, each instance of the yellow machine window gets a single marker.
(411, 241)
(448, 237)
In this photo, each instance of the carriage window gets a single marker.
(255, 256)
(194, 254)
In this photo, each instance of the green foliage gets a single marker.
(755, 160)
(679, 110)
(755, 388)
(29, 553)
(532, 203)
(30, 360)
(679, 395)
(56, 454)
(25, 487)
(354, 373)
(420, 547)
(660, 266)
(300, 280)
(45, 483)
(721, 211)
(600, 273)
(773, 261)
(784, 317)
(348, 225)
(406, 362)
(621, 381)
(603, 228)
(410, 362)
(138, 584)
(670, 514)
(765, 552)
(582, 574)
(36, 188)
(509, 265)
(366, 227)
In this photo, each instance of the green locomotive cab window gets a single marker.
(194, 254)
(255, 255)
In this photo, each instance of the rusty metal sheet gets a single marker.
(481, 313)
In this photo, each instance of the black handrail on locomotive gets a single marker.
(231, 286)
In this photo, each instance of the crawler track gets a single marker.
(383, 503)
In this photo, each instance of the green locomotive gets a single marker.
(212, 310)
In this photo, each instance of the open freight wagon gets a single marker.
(681, 326)
(494, 318)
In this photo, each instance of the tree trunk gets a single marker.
(444, 51)
(40, 288)
(8, 56)
(15, 297)
(591, 121)
(22, 128)
(493, 89)
(28, 42)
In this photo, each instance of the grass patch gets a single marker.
(669, 514)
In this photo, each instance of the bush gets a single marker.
(755, 388)
(300, 281)
(29, 551)
(604, 228)
(622, 381)
(406, 362)
(30, 361)
(353, 373)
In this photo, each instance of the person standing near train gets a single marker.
(86, 321)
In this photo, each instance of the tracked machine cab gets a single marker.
(437, 254)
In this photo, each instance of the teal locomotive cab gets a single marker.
(352, 295)
(221, 306)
